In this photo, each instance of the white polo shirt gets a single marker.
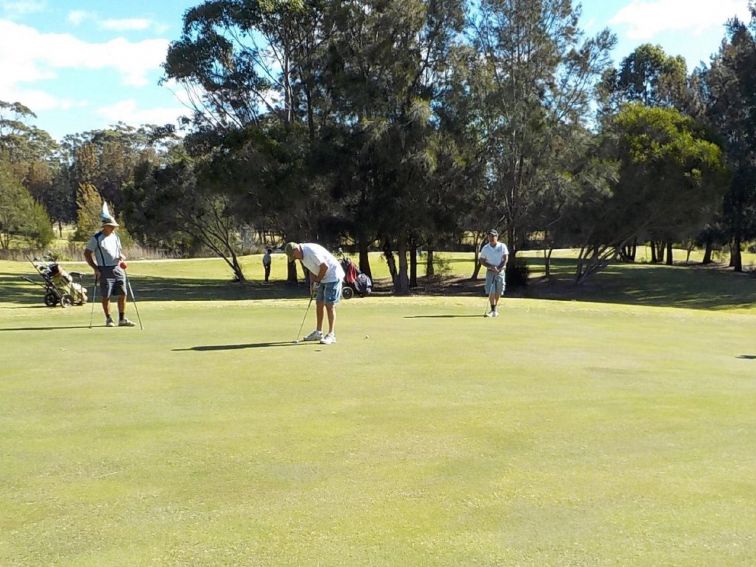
(313, 255)
(494, 255)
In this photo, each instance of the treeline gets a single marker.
(405, 123)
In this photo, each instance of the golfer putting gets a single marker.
(326, 275)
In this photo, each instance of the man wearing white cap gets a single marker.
(327, 273)
(105, 256)
(493, 257)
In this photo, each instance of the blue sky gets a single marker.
(86, 64)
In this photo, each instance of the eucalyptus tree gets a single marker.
(729, 93)
(23, 220)
(388, 60)
(251, 72)
(669, 175)
(533, 84)
(650, 77)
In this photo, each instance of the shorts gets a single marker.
(495, 283)
(112, 281)
(329, 292)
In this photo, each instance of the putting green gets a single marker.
(561, 433)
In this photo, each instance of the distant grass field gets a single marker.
(612, 425)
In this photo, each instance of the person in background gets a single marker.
(493, 257)
(266, 263)
(326, 278)
(105, 256)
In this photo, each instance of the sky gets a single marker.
(83, 65)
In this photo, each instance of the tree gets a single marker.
(532, 85)
(21, 217)
(729, 94)
(670, 176)
(168, 198)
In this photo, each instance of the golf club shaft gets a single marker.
(312, 296)
(133, 298)
(94, 297)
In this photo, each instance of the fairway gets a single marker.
(562, 433)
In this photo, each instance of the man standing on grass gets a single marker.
(104, 255)
(326, 276)
(266, 263)
(493, 257)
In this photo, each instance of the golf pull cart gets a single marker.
(61, 287)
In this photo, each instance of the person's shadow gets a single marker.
(207, 348)
(748, 356)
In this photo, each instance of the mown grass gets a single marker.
(562, 433)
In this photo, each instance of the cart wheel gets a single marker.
(66, 300)
(347, 292)
(51, 300)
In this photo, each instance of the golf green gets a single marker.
(561, 433)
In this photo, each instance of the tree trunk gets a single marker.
(401, 286)
(389, 255)
(670, 260)
(430, 270)
(707, 252)
(652, 245)
(736, 258)
(291, 273)
(364, 257)
(547, 261)
(413, 265)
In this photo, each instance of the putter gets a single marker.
(312, 296)
(133, 298)
(94, 298)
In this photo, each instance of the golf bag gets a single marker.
(61, 287)
(354, 280)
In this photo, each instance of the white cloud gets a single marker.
(129, 112)
(18, 8)
(646, 19)
(77, 17)
(27, 55)
(127, 24)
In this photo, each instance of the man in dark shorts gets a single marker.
(104, 255)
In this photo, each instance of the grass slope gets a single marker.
(562, 433)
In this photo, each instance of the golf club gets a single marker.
(312, 296)
(94, 297)
(133, 298)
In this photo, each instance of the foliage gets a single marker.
(670, 176)
(21, 217)
(532, 83)
(729, 96)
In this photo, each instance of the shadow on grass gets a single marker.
(748, 356)
(692, 287)
(440, 316)
(206, 348)
(48, 328)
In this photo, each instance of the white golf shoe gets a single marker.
(490, 314)
(314, 336)
(329, 339)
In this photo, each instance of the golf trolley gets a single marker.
(61, 287)
(355, 281)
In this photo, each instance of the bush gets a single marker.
(517, 273)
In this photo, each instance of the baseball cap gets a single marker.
(289, 249)
(493, 232)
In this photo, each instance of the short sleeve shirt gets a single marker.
(106, 249)
(494, 254)
(313, 255)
